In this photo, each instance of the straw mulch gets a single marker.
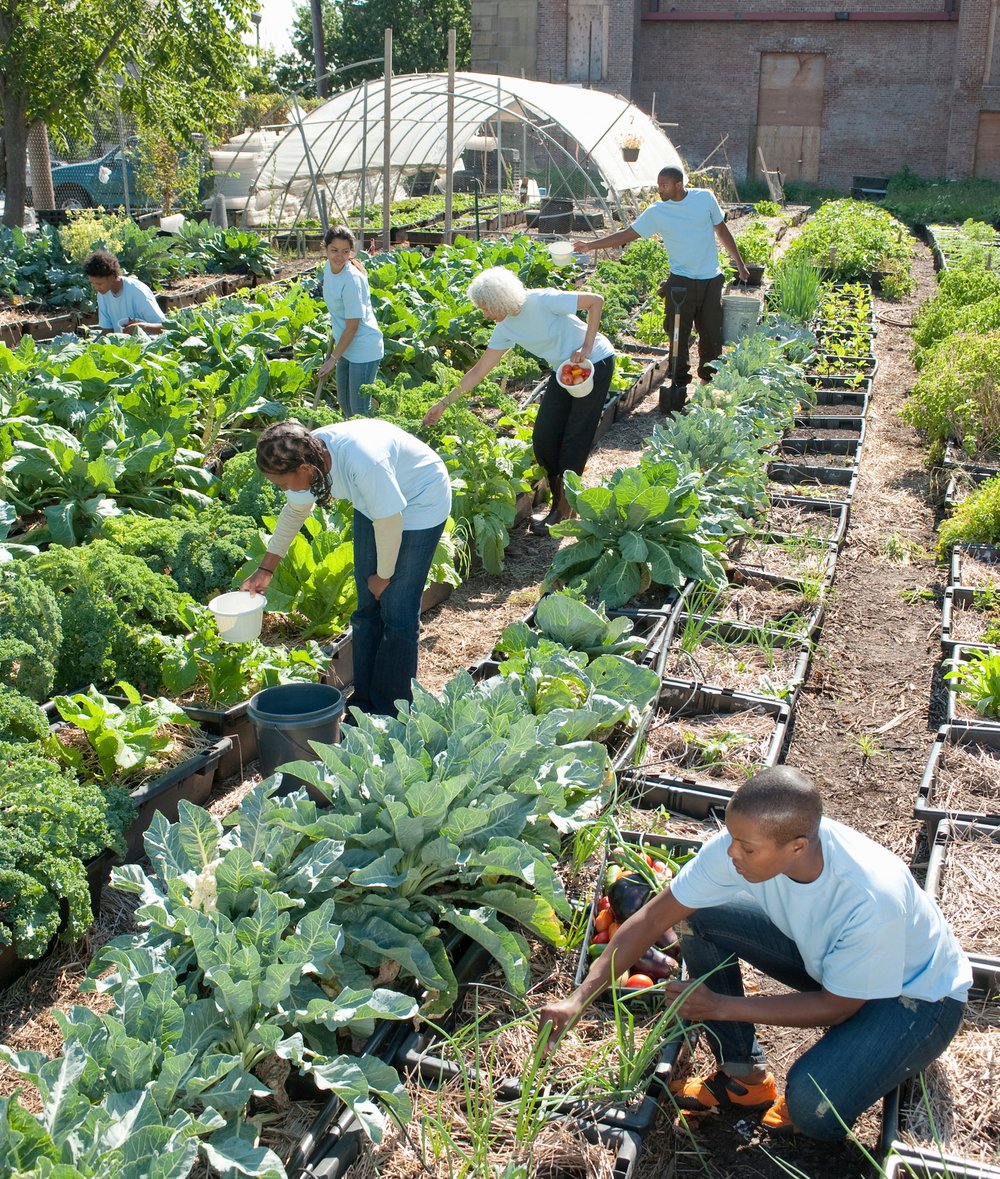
(719, 749)
(970, 884)
(968, 780)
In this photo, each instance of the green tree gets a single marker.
(352, 31)
(178, 64)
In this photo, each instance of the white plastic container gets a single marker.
(584, 387)
(238, 615)
(561, 253)
(740, 315)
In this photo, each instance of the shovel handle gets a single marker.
(319, 391)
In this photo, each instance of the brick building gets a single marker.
(825, 94)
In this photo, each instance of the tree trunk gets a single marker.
(42, 196)
(15, 142)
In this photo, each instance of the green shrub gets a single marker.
(795, 290)
(976, 520)
(922, 202)
(246, 490)
(50, 825)
(967, 301)
(21, 720)
(30, 632)
(850, 240)
(201, 554)
(755, 244)
(957, 394)
(767, 208)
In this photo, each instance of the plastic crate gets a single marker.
(812, 622)
(927, 808)
(959, 654)
(956, 599)
(985, 967)
(652, 790)
(837, 512)
(753, 557)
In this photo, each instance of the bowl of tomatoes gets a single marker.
(576, 378)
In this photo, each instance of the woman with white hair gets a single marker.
(544, 323)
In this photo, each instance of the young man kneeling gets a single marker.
(823, 910)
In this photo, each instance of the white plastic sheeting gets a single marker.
(338, 141)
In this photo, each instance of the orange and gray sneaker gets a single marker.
(700, 1094)
(778, 1121)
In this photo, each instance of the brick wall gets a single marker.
(504, 37)
(888, 89)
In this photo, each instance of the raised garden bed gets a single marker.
(708, 736)
(757, 599)
(963, 872)
(962, 778)
(984, 464)
(967, 617)
(975, 565)
(732, 656)
(791, 516)
(960, 711)
(803, 560)
(839, 448)
(836, 483)
(911, 1164)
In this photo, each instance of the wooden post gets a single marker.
(386, 145)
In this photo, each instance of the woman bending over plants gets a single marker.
(401, 494)
(357, 348)
(123, 302)
(545, 323)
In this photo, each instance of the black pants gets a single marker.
(701, 307)
(565, 426)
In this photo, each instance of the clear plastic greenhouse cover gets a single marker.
(582, 131)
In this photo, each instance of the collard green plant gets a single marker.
(239, 251)
(976, 679)
(642, 526)
(565, 618)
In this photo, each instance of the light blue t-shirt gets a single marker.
(134, 301)
(548, 326)
(864, 928)
(347, 297)
(383, 470)
(687, 228)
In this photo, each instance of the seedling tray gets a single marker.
(958, 600)
(960, 713)
(985, 966)
(928, 808)
(681, 700)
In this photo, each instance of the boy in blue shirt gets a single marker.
(823, 910)
(124, 303)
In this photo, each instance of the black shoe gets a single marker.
(539, 525)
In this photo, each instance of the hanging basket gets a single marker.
(630, 154)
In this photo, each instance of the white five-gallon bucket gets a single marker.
(561, 253)
(239, 615)
(740, 315)
(585, 386)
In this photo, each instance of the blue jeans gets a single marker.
(854, 1064)
(351, 375)
(386, 631)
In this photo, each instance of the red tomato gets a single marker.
(601, 939)
(604, 903)
(638, 980)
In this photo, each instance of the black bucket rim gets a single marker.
(331, 711)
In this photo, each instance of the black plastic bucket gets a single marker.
(287, 718)
(555, 216)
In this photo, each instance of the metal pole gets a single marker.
(364, 156)
(449, 180)
(499, 159)
(386, 145)
(320, 208)
(121, 136)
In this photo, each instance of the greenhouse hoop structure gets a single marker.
(513, 137)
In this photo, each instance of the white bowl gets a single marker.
(561, 253)
(584, 387)
(238, 615)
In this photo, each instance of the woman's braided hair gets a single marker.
(285, 446)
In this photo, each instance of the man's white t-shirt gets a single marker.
(864, 928)
(687, 228)
(548, 326)
(347, 296)
(134, 301)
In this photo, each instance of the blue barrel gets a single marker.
(287, 718)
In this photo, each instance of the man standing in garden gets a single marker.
(823, 910)
(689, 222)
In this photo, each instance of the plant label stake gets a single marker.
(319, 391)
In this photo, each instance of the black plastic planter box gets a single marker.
(651, 379)
(340, 672)
(960, 654)
(840, 384)
(233, 723)
(753, 557)
(817, 443)
(607, 417)
(192, 781)
(927, 807)
(652, 791)
(985, 967)
(988, 554)
(681, 699)
(836, 513)
(962, 484)
(906, 1163)
(842, 481)
(831, 402)
(867, 366)
(957, 600)
(755, 578)
(956, 458)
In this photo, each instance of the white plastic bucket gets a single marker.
(561, 253)
(238, 615)
(740, 314)
(172, 223)
(585, 386)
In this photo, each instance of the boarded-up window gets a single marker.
(987, 165)
(586, 36)
(790, 113)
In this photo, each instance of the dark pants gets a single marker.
(386, 631)
(701, 308)
(854, 1063)
(565, 426)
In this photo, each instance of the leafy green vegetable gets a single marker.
(564, 618)
(30, 632)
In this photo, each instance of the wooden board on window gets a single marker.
(987, 166)
(790, 113)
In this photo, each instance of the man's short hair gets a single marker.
(782, 801)
(672, 173)
(101, 264)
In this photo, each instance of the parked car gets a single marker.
(99, 182)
